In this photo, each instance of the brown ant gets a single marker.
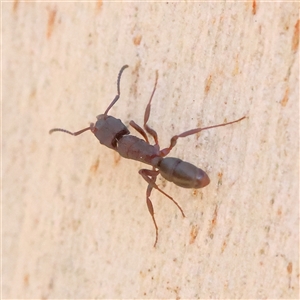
(112, 133)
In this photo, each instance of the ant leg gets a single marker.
(151, 211)
(151, 131)
(174, 139)
(140, 130)
(150, 177)
(149, 203)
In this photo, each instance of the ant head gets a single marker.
(108, 130)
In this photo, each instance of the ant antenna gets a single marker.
(109, 107)
(69, 132)
(118, 87)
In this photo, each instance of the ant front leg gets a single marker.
(150, 176)
(140, 130)
(151, 131)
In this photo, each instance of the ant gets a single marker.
(112, 133)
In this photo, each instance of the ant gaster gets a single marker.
(112, 133)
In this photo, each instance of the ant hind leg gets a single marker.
(151, 211)
(150, 176)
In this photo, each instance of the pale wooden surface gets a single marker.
(75, 221)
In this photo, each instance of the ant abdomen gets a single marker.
(182, 173)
